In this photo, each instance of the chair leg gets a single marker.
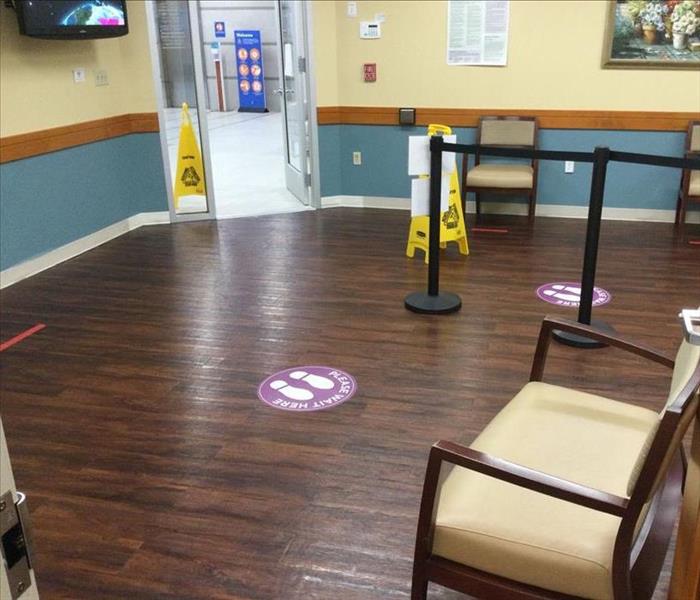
(531, 207)
(419, 586)
(681, 213)
(477, 200)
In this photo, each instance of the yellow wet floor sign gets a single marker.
(452, 225)
(189, 177)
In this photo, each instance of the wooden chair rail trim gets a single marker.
(550, 323)
(548, 119)
(529, 478)
(26, 145)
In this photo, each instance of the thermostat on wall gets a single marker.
(370, 30)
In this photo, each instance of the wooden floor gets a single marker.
(152, 469)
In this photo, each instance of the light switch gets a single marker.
(79, 75)
(352, 9)
(101, 77)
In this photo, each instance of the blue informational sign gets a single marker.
(219, 29)
(249, 67)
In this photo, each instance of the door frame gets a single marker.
(314, 197)
(315, 191)
(312, 192)
(200, 91)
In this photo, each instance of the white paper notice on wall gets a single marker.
(419, 155)
(420, 195)
(477, 32)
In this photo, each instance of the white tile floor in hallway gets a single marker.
(247, 161)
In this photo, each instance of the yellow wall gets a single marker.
(554, 62)
(326, 51)
(36, 79)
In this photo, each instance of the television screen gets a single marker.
(72, 19)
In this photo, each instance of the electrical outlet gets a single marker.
(101, 77)
(569, 166)
(79, 75)
(357, 158)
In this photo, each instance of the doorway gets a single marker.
(252, 108)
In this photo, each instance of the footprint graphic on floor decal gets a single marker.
(317, 381)
(293, 393)
(567, 293)
(307, 388)
(558, 292)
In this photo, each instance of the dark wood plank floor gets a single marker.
(154, 472)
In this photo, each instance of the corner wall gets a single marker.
(76, 158)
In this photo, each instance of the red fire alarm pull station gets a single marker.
(370, 71)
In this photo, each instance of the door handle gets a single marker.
(280, 91)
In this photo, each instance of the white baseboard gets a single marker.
(513, 208)
(30, 267)
(366, 202)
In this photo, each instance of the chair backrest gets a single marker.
(663, 441)
(693, 140)
(508, 131)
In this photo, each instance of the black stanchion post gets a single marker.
(434, 228)
(601, 157)
(434, 302)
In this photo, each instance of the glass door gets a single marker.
(293, 95)
(178, 72)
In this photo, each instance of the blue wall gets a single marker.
(50, 200)
(385, 154)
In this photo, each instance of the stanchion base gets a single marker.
(579, 341)
(442, 304)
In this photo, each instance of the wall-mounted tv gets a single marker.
(72, 19)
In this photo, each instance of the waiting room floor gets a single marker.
(247, 156)
(152, 469)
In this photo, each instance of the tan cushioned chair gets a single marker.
(545, 542)
(503, 176)
(498, 178)
(558, 494)
(690, 180)
(694, 184)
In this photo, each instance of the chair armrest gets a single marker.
(530, 479)
(551, 323)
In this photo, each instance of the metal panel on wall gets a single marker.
(176, 53)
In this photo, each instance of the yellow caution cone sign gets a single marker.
(452, 225)
(189, 177)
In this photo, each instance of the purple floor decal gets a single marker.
(567, 293)
(305, 389)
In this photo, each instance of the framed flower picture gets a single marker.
(656, 34)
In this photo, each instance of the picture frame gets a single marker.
(652, 34)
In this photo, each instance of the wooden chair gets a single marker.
(564, 494)
(499, 178)
(690, 180)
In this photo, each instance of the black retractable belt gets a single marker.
(434, 302)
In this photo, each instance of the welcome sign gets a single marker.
(249, 69)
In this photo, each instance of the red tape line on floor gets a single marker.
(18, 338)
(489, 229)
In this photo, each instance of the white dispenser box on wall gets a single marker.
(370, 30)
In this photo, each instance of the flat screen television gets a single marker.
(72, 19)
